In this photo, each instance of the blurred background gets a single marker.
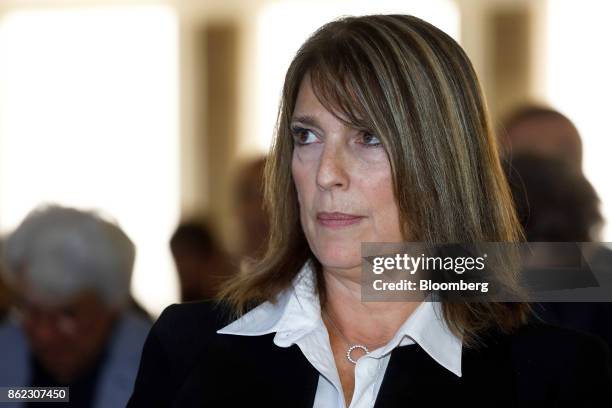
(157, 113)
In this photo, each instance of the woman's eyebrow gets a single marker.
(306, 120)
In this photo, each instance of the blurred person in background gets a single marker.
(5, 294)
(556, 203)
(252, 218)
(201, 263)
(70, 271)
(5, 300)
(544, 132)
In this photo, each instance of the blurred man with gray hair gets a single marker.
(70, 271)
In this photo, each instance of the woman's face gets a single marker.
(344, 184)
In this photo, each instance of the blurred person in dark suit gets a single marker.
(252, 218)
(4, 300)
(556, 203)
(544, 132)
(201, 263)
(5, 297)
(5, 294)
(546, 148)
(71, 273)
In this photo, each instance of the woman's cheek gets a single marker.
(308, 154)
(369, 155)
(302, 180)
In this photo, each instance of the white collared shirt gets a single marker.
(296, 319)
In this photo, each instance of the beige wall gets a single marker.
(500, 36)
(216, 37)
(504, 39)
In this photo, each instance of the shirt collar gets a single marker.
(297, 312)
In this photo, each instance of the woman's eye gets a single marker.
(303, 136)
(370, 140)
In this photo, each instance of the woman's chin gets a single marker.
(339, 257)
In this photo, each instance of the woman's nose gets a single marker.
(332, 172)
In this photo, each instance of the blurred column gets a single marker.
(502, 38)
(221, 113)
(510, 58)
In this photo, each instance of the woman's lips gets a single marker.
(337, 219)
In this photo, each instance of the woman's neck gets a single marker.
(369, 323)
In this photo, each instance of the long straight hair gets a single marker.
(413, 86)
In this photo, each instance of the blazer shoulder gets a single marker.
(580, 364)
(556, 342)
(543, 339)
(192, 317)
(176, 342)
(543, 364)
(184, 329)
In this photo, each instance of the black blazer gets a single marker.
(186, 364)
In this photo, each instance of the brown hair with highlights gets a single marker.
(414, 87)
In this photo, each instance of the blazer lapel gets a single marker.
(250, 371)
(412, 376)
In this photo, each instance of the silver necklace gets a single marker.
(351, 346)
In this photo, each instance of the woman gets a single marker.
(382, 136)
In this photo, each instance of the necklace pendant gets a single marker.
(352, 348)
